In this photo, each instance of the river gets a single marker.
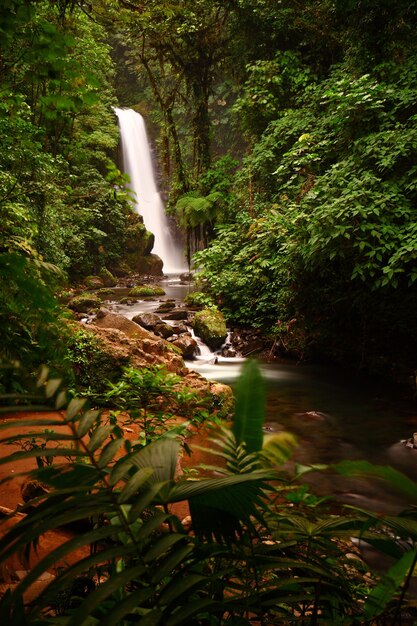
(334, 414)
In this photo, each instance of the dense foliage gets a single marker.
(322, 246)
(60, 208)
(248, 554)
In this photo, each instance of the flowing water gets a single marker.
(137, 163)
(333, 415)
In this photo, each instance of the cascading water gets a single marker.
(137, 163)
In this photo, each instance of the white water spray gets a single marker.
(137, 163)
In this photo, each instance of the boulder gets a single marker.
(93, 282)
(181, 329)
(187, 277)
(150, 264)
(84, 303)
(138, 240)
(177, 314)
(168, 305)
(224, 399)
(107, 277)
(121, 269)
(210, 325)
(121, 342)
(147, 320)
(146, 291)
(228, 352)
(164, 330)
(187, 345)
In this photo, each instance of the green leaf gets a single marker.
(162, 545)
(74, 407)
(99, 436)
(127, 605)
(109, 452)
(394, 477)
(383, 593)
(134, 483)
(86, 422)
(114, 583)
(249, 407)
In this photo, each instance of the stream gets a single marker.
(333, 415)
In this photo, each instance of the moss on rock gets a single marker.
(210, 325)
(146, 291)
(151, 264)
(107, 277)
(93, 282)
(84, 303)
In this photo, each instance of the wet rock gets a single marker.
(177, 314)
(147, 320)
(187, 277)
(224, 399)
(139, 241)
(164, 330)
(121, 342)
(210, 325)
(84, 303)
(146, 291)
(187, 345)
(107, 278)
(247, 342)
(93, 282)
(121, 269)
(150, 265)
(181, 329)
(228, 352)
(168, 305)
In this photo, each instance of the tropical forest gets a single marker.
(208, 312)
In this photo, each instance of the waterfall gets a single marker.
(137, 163)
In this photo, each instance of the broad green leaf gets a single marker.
(99, 437)
(86, 422)
(193, 608)
(249, 407)
(127, 605)
(181, 585)
(162, 545)
(74, 407)
(134, 483)
(390, 583)
(109, 452)
(392, 476)
(52, 386)
(171, 562)
(94, 599)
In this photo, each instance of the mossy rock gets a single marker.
(150, 265)
(84, 303)
(168, 305)
(146, 291)
(127, 300)
(122, 269)
(138, 239)
(94, 362)
(107, 277)
(93, 282)
(106, 292)
(210, 325)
